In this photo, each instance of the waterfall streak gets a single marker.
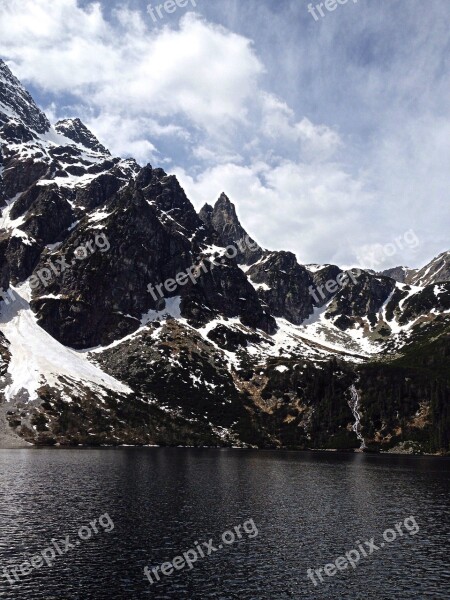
(354, 404)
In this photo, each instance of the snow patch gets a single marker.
(37, 358)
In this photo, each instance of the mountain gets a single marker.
(436, 271)
(400, 274)
(17, 107)
(129, 318)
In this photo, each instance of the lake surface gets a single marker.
(308, 509)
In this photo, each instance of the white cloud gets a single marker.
(315, 142)
(200, 71)
(130, 136)
(59, 46)
(126, 137)
(362, 157)
(289, 206)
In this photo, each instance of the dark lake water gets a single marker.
(300, 510)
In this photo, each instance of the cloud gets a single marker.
(133, 84)
(331, 137)
(200, 71)
(60, 48)
(289, 206)
(313, 142)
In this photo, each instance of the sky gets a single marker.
(330, 134)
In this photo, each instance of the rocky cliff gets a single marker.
(126, 317)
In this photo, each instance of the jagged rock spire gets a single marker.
(223, 220)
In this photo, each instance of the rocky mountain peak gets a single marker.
(400, 274)
(165, 192)
(224, 212)
(436, 271)
(206, 213)
(16, 103)
(181, 340)
(225, 224)
(223, 201)
(76, 130)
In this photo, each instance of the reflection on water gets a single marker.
(309, 508)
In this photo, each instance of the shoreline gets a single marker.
(9, 440)
(19, 444)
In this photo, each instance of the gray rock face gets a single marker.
(284, 286)
(20, 174)
(49, 217)
(321, 278)
(174, 208)
(210, 358)
(227, 230)
(108, 291)
(106, 286)
(2, 187)
(436, 271)
(4, 264)
(400, 274)
(427, 300)
(16, 102)
(225, 291)
(362, 298)
(75, 130)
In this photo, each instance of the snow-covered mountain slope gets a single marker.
(16, 104)
(38, 359)
(437, 271)
(128, 317)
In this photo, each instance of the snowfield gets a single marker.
(37, 358)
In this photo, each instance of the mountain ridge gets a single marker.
(248, 347)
